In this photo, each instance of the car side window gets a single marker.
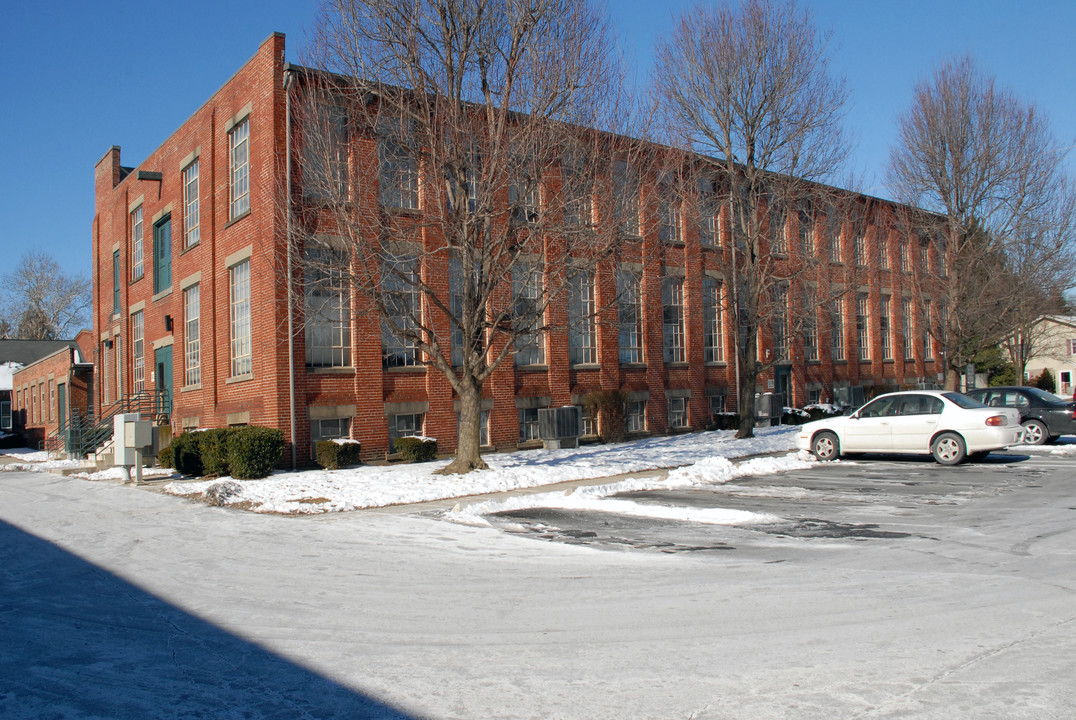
(1018, 400)
(912, 405)
(936, 405)
(883, 407)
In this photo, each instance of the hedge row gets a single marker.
(332, 455)
(243, 453)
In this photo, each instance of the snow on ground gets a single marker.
(34, 461)
(319, 491)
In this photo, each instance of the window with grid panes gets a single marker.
(399, 291)
(192, 342)
(629, 317)
(242, 362)
(836, 324)
(527, 290)
(906, 327)
(672, 319)
(582, 333)
(404, 425)
(780, 322)
(191, 219)
(397, 176)
(862, 327)
(328, 308)
(669, 229)
(883, 247)
(635, 416)
(528, 425)
(325, 148)
(577, 190)
(678, 413)
(712, 340)
(239, 166)
(709, 212)
(626, 198)
(834, 222)
(884, 327)
(138, 348)
(778, 239)
(137, 232)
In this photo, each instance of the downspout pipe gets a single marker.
(289, 78)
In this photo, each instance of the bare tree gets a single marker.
(987, 166)
(749, 88)
(42, 303)
(472, 119)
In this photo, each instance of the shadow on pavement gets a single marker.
(80, 642)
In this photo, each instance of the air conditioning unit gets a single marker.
(560, 427)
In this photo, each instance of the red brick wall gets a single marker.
(263, 398)
(42, 380)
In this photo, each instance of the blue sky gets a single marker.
(83, 76)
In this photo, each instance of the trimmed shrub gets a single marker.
(253, 451)
(187, 454)
(164, 457)
(415, 450)
(610, 407)
(213, 450)
(794, 416)
(726, 421)
(332, 455)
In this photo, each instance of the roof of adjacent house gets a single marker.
(26, 352)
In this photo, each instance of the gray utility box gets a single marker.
(560, 427)
(769, 407)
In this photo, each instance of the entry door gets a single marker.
(61, 403)
(163, 359)
(782, 382)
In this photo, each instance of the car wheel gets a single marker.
(1035, 432)
(948, 449)
(826, 446)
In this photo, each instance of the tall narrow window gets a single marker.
(325, 147)
(713, 344)
(327, 308)
(836, 328)
(810, 332)
(162, 254)
(192, 340)
(527, 291)
(629, 317)
(582, 348)
(577, 190)
(709, 207)
(239, 165)
(884, 327)
(833, 234)
(906, 327)
(401, 323)
(626, 198)
(137, 266)
(239, 316)
(859, 253)
(943, 256)
(903, 249)
(397, 176)
(191, 219)
(523, 193)
(883, 248)
(862, 327)
(928, 353)
(528, 425)
(780, 322)
(678, 417)
(805, 231)
(138, 348)
(635, 416)
(778, 245)
(668, 212)
(672, 319)
(52, 399)
(115, 282)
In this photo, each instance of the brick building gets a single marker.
(54, 380)
(189, 302)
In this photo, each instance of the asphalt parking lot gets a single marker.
(871, 498)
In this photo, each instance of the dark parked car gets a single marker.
(1044, 415)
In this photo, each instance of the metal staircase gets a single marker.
(79, 435)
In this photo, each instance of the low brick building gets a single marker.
(189, 303)
(55, 380)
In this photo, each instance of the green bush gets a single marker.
(726, 421)
(414, 450)
(253, 451)
(610, 407)
(213, 450)
(332, 455)
(187, 454)
(164, 457)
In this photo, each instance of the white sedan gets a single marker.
(947, 425)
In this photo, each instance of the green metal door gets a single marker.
(163, 360)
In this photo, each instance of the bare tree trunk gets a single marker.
(468, 449)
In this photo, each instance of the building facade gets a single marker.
(53, 381)
(191, 302)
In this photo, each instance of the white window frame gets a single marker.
(413, 424)
(327, 308)
(138, 230)
(713, 331)
(884, 326)
(239, 168)
(191, 218)
(678, 413)
(582, 330)
(863, 326)
(629, 317)
(138, 350)
(635, 417)
(192, 342)
(239, 316)
(672, 319)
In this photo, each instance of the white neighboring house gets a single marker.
(1054, 348)
(7, 372)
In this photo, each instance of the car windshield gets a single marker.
(962, 400)
(1043, 395)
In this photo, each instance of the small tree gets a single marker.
(1045, 381)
